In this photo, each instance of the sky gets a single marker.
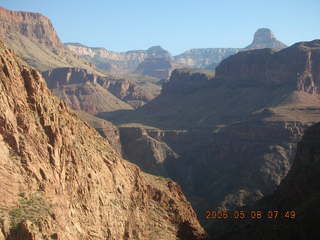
(176, 25)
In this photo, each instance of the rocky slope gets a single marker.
(233, 134)
(33, 37)
(297, 193)
(92, 93)
(61, 180)
(106, 129)
(264, 38)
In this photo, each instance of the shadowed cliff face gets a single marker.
(228, 139)
(61, 180)
(298, 192)
(158, 67)
(297, 66)
(233, 167)
(183, 81)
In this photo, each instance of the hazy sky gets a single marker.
(176, 25)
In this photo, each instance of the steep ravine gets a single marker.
(227, 168)
(298, 193)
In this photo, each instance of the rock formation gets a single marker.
(233, 134)
(156, 67)
(270, 68)
(264, 38)
(186, 80)
(159, 63)
(33, 37)
(210, 58)
(110, 61)
(31, 25)
(125, 62)
(93, 93)
(204, 57)
(129, 92)
(298, 193)
(61, 180)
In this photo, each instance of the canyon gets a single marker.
(227, 138)
(211, 128)
(33, 37)
(61, 180)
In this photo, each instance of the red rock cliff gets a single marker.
(32, 25)
(75, 184)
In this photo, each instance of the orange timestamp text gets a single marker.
(252, 214)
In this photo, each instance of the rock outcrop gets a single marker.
(34, 38)
(129, 92)
(264, 38)
(157, 64)
(298, 194)
(61, 180)
(110, 61)
(93, 93)
(270, 68)
(156, 67)
(186, 80)
(31, 25)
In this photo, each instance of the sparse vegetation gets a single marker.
(165, 178)
(33, 208)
